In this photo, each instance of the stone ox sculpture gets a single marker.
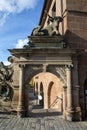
(51, 29)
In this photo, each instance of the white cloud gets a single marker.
(14, 6)
(11, 6)
(3, 18)
(21, 43)
(6, 63)
(3, 58)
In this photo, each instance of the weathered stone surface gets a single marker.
(80, 5)
(76, 30)
(48, 53)
(47, 41)
(51, 122)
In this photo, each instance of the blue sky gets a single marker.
(17, 20)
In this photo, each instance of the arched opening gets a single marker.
(85, 97)
(41, 95)
(55, 95)
(36, 88)
(36, 94)
(49, 94)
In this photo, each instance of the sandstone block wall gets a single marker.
(52, 89)
(76, 5)
(75, 23)
(75, 31)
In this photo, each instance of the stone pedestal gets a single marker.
(47, 41)
(21, 105)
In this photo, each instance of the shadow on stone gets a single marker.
(44, 113)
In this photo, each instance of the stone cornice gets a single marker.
(39, 50)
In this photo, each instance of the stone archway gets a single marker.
(48, 71)
(50, 88)
(55, 94)
(49, 93)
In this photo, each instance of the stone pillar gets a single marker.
(38, 92)
(36, 88)
(21, 105)
(45, 67)
(64, 101)
(69, 115)
(26, 96)
(76, 96)
(77, 115)
(76, 87)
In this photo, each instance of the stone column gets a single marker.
(76, 96)
(76, 87)
(75, 81)
(21, 105)
(38, 92)
(35, 88)
(26, 102)
(77, 108)
(45, 67)
(69, 115)
(64, 101)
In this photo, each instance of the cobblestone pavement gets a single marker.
(39, 121)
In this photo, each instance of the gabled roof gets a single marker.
(46, 7)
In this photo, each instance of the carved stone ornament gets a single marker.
(6, 73)
(51, 29)
(61, 70)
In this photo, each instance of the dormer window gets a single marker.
(54, 10)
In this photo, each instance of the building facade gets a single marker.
(55, 60)
(74, 29)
